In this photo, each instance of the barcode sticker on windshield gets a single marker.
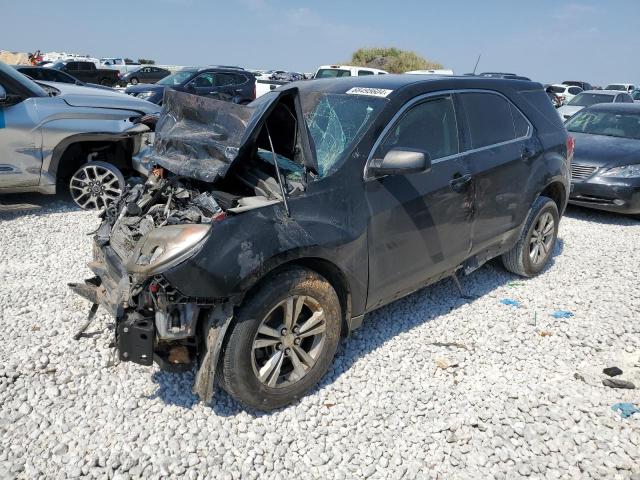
(374, 92)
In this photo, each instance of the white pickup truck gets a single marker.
(120, 64)
(333, 71)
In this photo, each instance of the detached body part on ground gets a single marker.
(48, 131)
(267, 231)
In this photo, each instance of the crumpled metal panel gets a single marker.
(199, 137)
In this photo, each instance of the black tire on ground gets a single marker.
(236, 368)
(518, 259)
(105, 82)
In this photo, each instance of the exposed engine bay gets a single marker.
(209, 161)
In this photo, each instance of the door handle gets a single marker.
(459, 183)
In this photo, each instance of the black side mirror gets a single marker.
(400, 162)
(191, 87)
(79, 83)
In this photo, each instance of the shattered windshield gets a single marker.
(335, 122)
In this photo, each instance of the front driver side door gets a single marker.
(20, 144)
(420, 224)
(203, 84)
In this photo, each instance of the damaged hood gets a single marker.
(78, 96)
(200, 137)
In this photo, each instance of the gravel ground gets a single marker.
(432, 386)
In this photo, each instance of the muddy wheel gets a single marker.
(282, 341)
(95, 185)
(535, 246)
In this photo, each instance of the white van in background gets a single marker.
(334, 71)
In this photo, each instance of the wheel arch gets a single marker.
(557, 192)
(325, 268)
(61, 164)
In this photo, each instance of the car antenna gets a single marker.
(477, 62)
(280, 182)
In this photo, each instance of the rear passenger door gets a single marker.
(420, 223)
(500, 151)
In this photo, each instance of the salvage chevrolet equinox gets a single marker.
(267, 231)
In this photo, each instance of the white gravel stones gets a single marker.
(516, 405)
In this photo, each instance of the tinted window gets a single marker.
(430, 126)
(72, 66)
(364, 72)
(490, 120)
(86, 66)
(625, 98)
(556, 89)
(223, 79)
(574, 90)
(332, 72)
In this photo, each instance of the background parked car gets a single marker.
(120, 64)
(593, 97)
(65, 136)
(625, 87)
(87, 72)
(565, 92)
(52, 75)
(333, 71)
(147, 74)
(577, 83)
(635, 95)
(231, 84)
(605, 173)
(555, 99)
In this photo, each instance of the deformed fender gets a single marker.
(214, 332)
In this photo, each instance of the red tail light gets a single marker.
(571, 145)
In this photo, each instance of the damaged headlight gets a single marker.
(165, 247)
(627, 171)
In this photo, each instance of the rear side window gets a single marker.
(490, 119)
(73, 66)
(429, 126)
(362, 73)
(520, 123)
(574, 90)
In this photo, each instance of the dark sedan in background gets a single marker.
(46, 74)
(232, 84)
(605, 173)
(144, 75)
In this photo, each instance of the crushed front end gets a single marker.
(152, 228)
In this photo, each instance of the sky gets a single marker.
(549, 41)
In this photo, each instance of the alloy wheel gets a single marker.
(541, 238)
(95, 187)
(289, 341)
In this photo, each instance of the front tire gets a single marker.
(282, 341)
(536, 243)
(95, 185)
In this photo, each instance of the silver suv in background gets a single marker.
(56, 135)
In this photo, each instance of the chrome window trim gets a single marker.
(441, 93)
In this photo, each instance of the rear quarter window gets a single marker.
(539, 101)
(489, 117)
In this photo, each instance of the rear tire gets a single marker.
(536, 243)
(266, 369)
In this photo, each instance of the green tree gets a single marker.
(392, 59)
(146, 61)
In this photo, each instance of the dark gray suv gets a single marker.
(267, 231)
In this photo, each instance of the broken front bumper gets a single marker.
(110, 289)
